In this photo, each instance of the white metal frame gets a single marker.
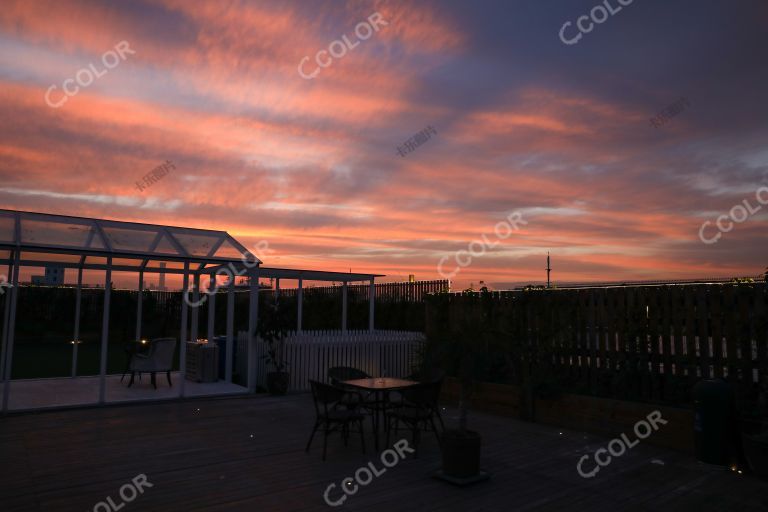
(194, 265)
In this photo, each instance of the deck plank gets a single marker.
(247, 453)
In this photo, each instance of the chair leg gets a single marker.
(440, 418)
(325, 442)
(434, 429)
(314, 429)
(168, 376)
(154, 380)
(362, 434)
(130, 382)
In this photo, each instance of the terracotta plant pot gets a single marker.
(461, 453)
(277, 383)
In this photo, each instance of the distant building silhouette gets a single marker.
(54, 276)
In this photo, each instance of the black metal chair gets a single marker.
(332, 415)
(417, 409)
(339, 374)
(429, 375)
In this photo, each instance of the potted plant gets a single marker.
(462, 349)
(272, 332)
(531, 352)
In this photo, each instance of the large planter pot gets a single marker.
(277, 383)
(461, 454)
(756, 452)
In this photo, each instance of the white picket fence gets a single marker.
(309, 354)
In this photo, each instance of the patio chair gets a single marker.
(418, 408)
(331, 414)
(159, 359)
(432, 375)
(338, 374)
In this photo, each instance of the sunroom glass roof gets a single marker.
(45, 231)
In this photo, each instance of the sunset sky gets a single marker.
(524, 123)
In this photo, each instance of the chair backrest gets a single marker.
(425, 394)
(325, 396)
(162, 352)
(339, 374)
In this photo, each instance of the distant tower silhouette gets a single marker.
(549, 270)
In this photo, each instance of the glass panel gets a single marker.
(196, 245)
(7, 228)
(44, 232)
(95, 242)
(168, 264)
(130, 239)
(46, 256)
(228, 250)
(127, 262)
(166, 247)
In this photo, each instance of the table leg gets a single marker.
(376, 422)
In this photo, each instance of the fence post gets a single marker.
(371, 299)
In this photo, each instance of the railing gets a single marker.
(309, 354)
(405, 292)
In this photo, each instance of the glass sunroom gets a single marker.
(74, 335)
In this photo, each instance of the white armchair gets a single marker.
(159, 359)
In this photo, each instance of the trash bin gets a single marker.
(715, 422)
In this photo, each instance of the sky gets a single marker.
(610, 148)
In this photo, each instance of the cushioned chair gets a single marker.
(332, 414)
(159, 359)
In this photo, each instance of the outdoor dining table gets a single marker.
(380, 387)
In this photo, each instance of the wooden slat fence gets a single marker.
(646, 343)
(310, 353)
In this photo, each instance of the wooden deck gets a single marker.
(247, 454)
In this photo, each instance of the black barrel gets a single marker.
(715, 421)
